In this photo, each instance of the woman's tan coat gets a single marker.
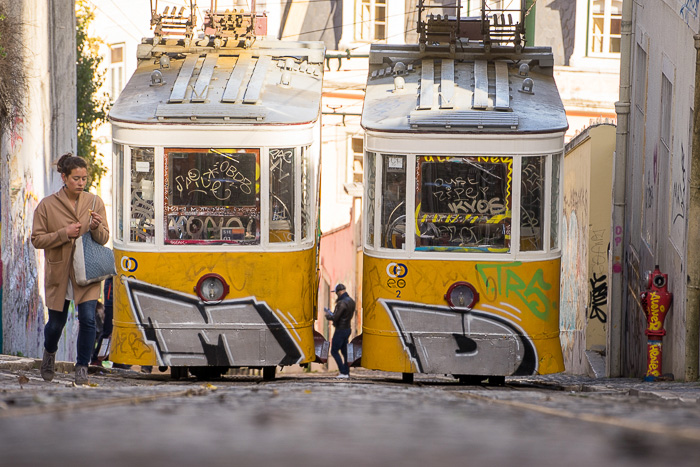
(52, 216)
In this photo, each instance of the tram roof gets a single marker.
(467, 91)
(271, 82)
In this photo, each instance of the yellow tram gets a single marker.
(216, 151)
(464, 146)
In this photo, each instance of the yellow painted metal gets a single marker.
(284, 280)
(523, 293)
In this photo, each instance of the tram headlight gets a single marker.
(211, 288)
(462, 295)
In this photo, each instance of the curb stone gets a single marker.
(14, 363)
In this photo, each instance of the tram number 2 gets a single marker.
(396, 285)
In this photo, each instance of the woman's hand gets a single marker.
(95, 220)
(73, 230)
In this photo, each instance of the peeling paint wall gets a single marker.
(574, 265)
(27, 173)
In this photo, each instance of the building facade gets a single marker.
(28, 153)
(585, 237)
(653, 202)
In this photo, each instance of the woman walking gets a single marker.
(59, 219)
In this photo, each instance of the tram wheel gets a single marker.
(208, 372)
(407, 378)
(268, 373)
(472, 380)
(178, 372)
(497, 380)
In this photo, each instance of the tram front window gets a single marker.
(532, 204)
(281, 195)
(143, 213)
(212, 196)
(394, 202)
(554, 224)
(118, 190)
(464, 204)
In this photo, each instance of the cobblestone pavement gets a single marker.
(312, 419)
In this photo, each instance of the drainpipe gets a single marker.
(692, 301)
(617, 291)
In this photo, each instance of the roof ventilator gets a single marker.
(157, 78)
(528, 86)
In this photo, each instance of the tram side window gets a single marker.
(370, 177)
(306, 203)
(282, 195)
(143, 214)
(532, 204)
(554, 228)
(394, 202)
(212, 196)
(464, 204)
(119, 189)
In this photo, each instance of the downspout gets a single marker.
(692, 301)
(617, 233)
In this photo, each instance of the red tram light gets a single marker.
(211, 288)
(462, 295)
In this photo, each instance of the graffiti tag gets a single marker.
(505, 281)
(131, 344)
(598, 297)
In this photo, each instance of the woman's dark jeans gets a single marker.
(86, 330)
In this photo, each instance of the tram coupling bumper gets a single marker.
(355, 351)
(321, 346)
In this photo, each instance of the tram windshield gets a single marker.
(464, 203)
(475, 204)
(212, 196)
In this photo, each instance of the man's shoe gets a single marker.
(342, 376)
(81, 375)
(48, 364)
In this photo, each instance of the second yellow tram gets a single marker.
(464, 147)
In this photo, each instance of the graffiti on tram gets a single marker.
(184, 331)
(212, 196)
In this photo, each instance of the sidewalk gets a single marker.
(634, 387)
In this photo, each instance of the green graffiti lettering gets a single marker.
(532, 293)
(491, 286)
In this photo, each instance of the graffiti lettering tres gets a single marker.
(503, 279)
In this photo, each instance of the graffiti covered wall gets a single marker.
(574, 266)
(27, 173)
(586, 229)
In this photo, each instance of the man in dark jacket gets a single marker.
(341, 317)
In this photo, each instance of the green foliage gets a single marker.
(92, 109)
(13, 88)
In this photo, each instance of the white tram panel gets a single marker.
(469, 91)
(270, 83)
